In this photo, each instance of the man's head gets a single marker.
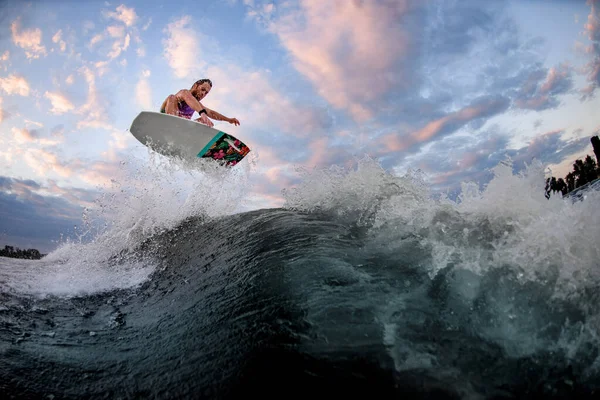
(201, 88)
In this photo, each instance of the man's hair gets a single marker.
(201, 81)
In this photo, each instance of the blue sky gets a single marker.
(448, 87)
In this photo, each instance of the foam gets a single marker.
(152, 197)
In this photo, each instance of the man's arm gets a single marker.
(220, 117)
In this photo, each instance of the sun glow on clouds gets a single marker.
(347, 49)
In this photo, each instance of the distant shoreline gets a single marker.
(25, 254)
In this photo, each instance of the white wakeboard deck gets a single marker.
(171, 135)
(180, 137)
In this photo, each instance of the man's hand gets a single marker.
(205, 120)
(233, 121)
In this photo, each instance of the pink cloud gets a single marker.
(592, 28)
(468, 160)
(57, 38)
(74, 195)
(182, 49)
(319, 152)
(94, 110)
(347, 49)
(394, 142)
(43, 161)
(15, 84)
(124, 14)
(536, 95)
(554, 78)
(99, 173)
(28, 39)
(60, 103)
(24, 135)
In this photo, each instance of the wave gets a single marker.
(362, 284)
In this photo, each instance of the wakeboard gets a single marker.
(174, 136)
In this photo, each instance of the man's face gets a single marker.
(202, 90)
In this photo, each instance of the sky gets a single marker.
(450, 88)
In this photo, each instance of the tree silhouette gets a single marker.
(590, 168)
(584, 172)
(596, 145)
(10, 251)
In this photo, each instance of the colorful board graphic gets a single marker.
(225, 148)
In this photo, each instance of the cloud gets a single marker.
(349, 50)
(94, 110)
(539, 95)
(260, 13)
(238, 89)
(115, 31)
(60, 103)
(57, 38)
(87, 26)
(43, 161)
(476, 49)
(118, 47)
(480, 109)
(181, 48)
(124, 14)
(97, 38)
(320, 154)
(30, 40)
(2, 115)
(121, 41)
(4, 57)
(15, 84)
(25, 135)
(460, 158)
(147, 24)
(592, 29)
(121, 34)
(100, 173)
(143, 91)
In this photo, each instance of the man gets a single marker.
(185, 102)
